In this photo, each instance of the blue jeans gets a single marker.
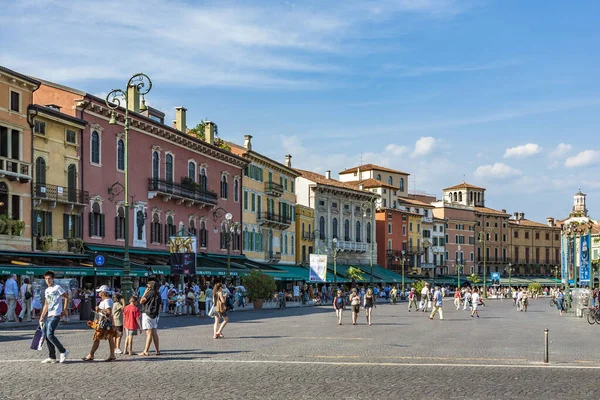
(165, 305)
(51, 340)
(208, 305)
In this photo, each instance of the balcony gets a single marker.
(58, 194)
(273, 189)
(274, 257)
(190, 194)
(494, 260)
(351, 246)
(427, 220)
(308, 236)
(15, 170)
(273, 220)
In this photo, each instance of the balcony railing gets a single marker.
(15, 169)
(185, 192)
(60, 194)
(274, 256)
(427, 265)
(351, 246)
(273, 189)
(273, 219)
(494, 260)
(308, 236)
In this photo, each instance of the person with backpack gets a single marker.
(338, 306)
(26, 293)
(151, 303)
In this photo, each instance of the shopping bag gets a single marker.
(38, 339)
(212, 311)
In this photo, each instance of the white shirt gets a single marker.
(475, 298)
(424, 291)
(23, 289)
(54, 300)
(106, 304)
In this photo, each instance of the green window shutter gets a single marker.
(270, 176)
(245, 199)
(34, 224)
(102, 225)
(92, 227)
(259, 208)
(49, 224)
(292, 186)
(253, 202)
(285, 186)
(281, 181)
(66, 226)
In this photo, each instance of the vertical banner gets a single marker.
(584, 261)
(318, 268)
(563, 259)
(183, 255)
(571, 259)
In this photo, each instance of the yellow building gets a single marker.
(58, 201)
(415, 239)
(16, 94)
(305, 233)
(269, 207)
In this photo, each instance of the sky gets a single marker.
(503, 94)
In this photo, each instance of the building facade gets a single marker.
(16, 224)
(305, 234)
(269, 207)
(491, 239)
(393, 181)
(392, 233)
(439, 247)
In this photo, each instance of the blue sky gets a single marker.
(503, 92)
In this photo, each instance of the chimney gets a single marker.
(209, 132)
(361, 186)
(516, 216)
(288, 160)
(503, 211)
(328, 174)
(522, 215)
(180, 119)
(248, 142)
(133, 96)
(550, 221)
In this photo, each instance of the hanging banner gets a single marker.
(318, 268)
(584, 261)
(183, 255)
(571, 260)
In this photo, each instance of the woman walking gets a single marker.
(220, 303)
(560, 301)
(105, 331)
(369, 304)
(355, 304)
(457, 298)
(338, 306)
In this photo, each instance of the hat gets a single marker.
(103, 288)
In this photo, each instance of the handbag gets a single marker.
(38, 339)
(212, 311)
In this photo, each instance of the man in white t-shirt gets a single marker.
(425, 292)
(475, 301)
(53, 309)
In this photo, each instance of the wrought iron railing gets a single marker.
(190, 192)
(60, 194)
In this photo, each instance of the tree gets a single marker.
(474, 278)
(354, 274)
(199, 132)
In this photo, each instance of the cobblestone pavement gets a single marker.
(304, 354)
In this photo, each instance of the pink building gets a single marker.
(176, 181)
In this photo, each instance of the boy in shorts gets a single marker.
(131, 323)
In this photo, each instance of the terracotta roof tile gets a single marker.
(487, 210)
(322, 180)
(369, 167)
(414, 202)
(529, 223)
(465, 185)
(371, 183)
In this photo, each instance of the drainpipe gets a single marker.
(31, 188)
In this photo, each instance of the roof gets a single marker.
(487, 210)
(464, 185)
(531, 224)
(20, 76)
(322, 180)
(53, 112)
(369, 167)
(242, 151)
(414, 202)
(403, 212)
(372, 183)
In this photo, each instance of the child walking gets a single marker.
(338, 306)
(132, 323)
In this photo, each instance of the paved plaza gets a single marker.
(303, 354)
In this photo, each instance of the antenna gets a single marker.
(464, 178)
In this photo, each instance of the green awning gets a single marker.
(132, 250)
(37, 254)
(289, 273)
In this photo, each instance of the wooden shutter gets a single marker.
(102, 225)
(152, 227)
(92, 226)
(48, 224)
(117, 227)
(159, 233)
(66, 226)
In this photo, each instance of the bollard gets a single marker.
(546, 346)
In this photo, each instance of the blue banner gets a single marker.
(584, 261)
(563, 258)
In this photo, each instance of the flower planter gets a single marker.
(258, 304)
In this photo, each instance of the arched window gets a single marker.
(203, 179)
(171, 228)
(155, 166)
(203, 235)
(95, 147)
(4, 198)
(322, 228)
(391, 180)
(156, 230)
(253, 240)
(121, 155)
(455, 196)
(96, 221)
(346, 230)
(358, 231)
(169, 168)
(140, 221)
(293, 244)
(334, 229)
(471, 197)
(378, 177)
(192, 171)
(459, 196)
(192, 228)
(224, 187)
(402, 184)
(40, 170)
(368, 232)
(450, 196)
(120, 224)
(236, 190)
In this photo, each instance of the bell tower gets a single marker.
(579, 205)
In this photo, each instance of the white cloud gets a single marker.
(498, 170)
(587, 157)
(425, 146)
(561, 150)
(396, 149)
(526, 150)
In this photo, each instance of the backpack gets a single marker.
(152, 305)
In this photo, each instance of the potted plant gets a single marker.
(45, 243)
(17, 227)
(259, 287)
(75, 245)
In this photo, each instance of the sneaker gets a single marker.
(118, 351)
(63, 356)
(50, 361)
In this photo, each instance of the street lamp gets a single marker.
(229, 229)
(335, 251)
(555, 269)
(142, 85)
(510, 270)
(368, 207)
(483, 239)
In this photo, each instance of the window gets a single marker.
(203, 235)
(537, 236)
(43, 227)
(410, 227)
(15, 101)
(390, 180)
(39, 127)
(401, 187)
(120, 224)
(40, 175)
(236, 190)
(378, 177)
(72, 226)
(224, 187)
(155, 230)
(389, 228)
(472, 257)
(347, 230)
(203, 180)
(516, 234)
(170, 228)
(169, 168)
(403, 230)
(96, 221)
(120, 155)
(246, 200)
(71, 137)
(418, 227)
(192, 171)
(292, 190)
(292, 242)
(253, 209)
(358, 231)
(368, 232)
(95, 147)
(526, 235)
(322, 227)
(547, 236)
(556, 236)
(155, 165)
(334, 229)
(504, 237)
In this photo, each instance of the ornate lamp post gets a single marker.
(229, 230)
(368, 208)
(510, 270)
(483, 239)
(335, 251)
(459, 267)
(142, 84)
